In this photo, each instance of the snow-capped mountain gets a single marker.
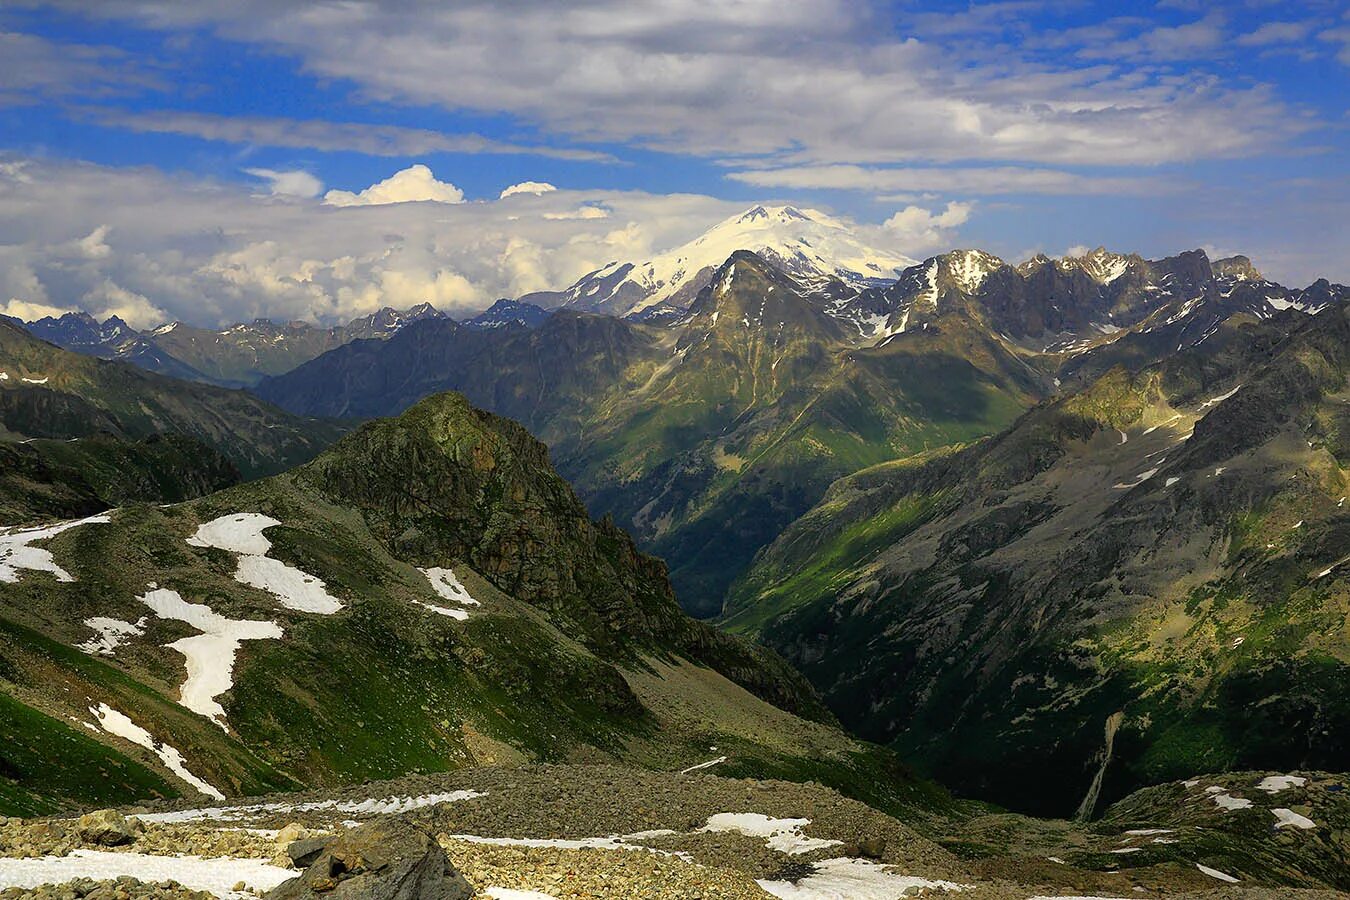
(804, 243)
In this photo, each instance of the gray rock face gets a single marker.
(379, 861)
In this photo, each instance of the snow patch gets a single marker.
(783, 835)
(210, 655)
(1288, 818)
(1230, 803)
(853, 879)
(111, 634)
(116, 723)
(1215, 873)
(15, 552)
(242, 534)
(704, 765)
(371, 807)
(1273, 784)
(217, 876)
(1219, 399)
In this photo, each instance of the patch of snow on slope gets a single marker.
(444, 582)
(110, 634)
(704, 765)
(373, 807)
(1230, 803)
(783, 835)
(1287, 818)
(1219, 399)
(210, 655)
(611, 842)
(1215, 873)
(1273, 784)
(853, 879)
(116, 723)
(217, 876)
(242, 534)
(15, 552)
(1144, 476)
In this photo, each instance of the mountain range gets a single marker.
(1054, 531)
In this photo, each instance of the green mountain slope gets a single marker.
(47, 392)
(45, 479)
(707, 439)
(1153, 566)
(424, 596)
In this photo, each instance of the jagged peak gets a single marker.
(1238, 268)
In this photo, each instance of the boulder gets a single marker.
(107, 827)
(378, 861)
(306, 851)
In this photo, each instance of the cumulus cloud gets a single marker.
(528, 187)
(873, 83)
(152, 247)
(295, 183)
(413, 184)
(918, 229)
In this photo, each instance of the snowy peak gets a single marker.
(805, 243)
(1101, 265)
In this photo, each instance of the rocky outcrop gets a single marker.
(379, 861)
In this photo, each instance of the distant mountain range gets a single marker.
(1055, 530)
(708, 431)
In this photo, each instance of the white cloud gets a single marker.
(31, 312)
(295, 183)
(988, 180)
(918, 230)
(805, 82)
(360, 137)
(212, 254)
(528, 187)
(1269, 33)
(413, 184)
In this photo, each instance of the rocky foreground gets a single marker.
(607, 832)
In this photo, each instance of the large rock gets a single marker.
(379, 861)
(107, 827)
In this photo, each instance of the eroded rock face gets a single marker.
(379, 861)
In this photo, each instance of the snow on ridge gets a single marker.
(119, 724)
(210, 655)
(806, 242)
(15, 552)
(242, 534)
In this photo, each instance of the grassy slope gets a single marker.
(571, 665)
(82, 396)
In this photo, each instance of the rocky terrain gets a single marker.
(1132, 584)
(539, 829)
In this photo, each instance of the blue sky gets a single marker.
(173, 158)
